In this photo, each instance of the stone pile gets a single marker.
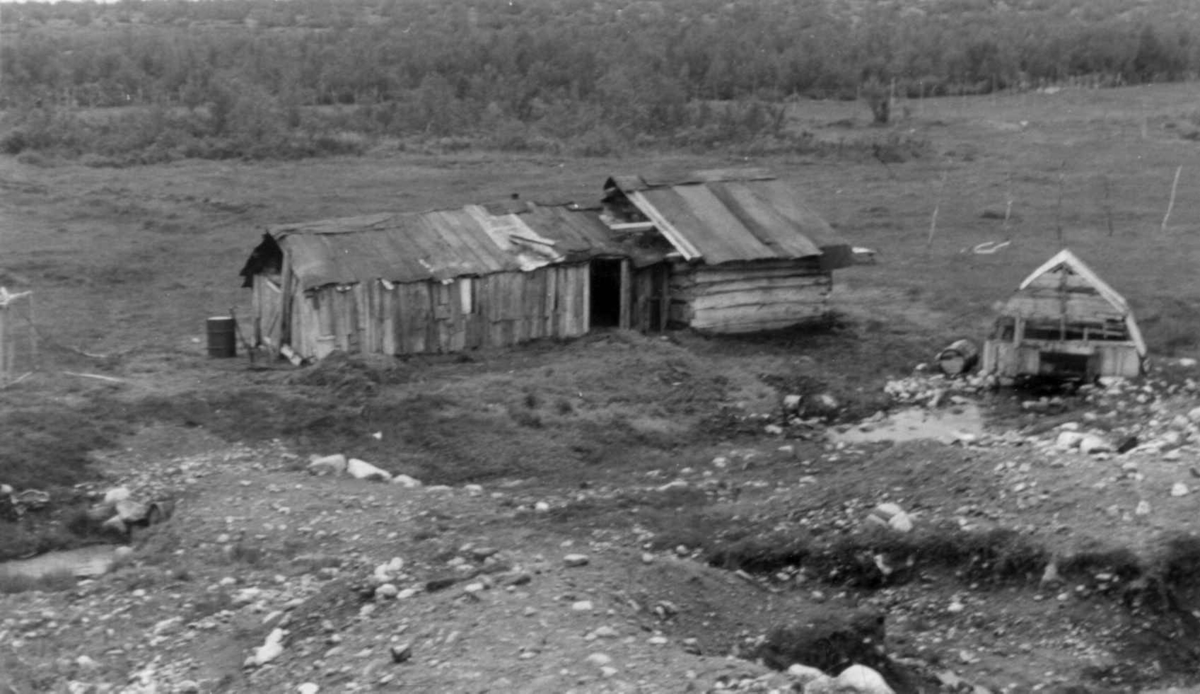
(338, 464)
(931, 389)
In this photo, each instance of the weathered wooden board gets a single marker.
(802, 285)
(1073, 306)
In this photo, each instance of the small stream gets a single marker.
(84, 562)
(914, 423)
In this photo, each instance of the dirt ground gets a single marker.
(709, 515)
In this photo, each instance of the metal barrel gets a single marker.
(222, 337)
(958, 358)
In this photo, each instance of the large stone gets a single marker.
(328, 465)
(1094, 443)
(362, 470)
(1068, 439)
(865, 680)
(131, 511)
(271, 649)
(116, 494)
(804, 674)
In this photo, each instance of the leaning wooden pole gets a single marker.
(937, 205)
(1171, 202)
(1062, 180)
(4, 350)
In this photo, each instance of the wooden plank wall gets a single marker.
(746, 297)
(267, 301)
(650, 301)
(467, 313)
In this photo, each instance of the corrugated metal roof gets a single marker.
(721, 220)
(445, 244)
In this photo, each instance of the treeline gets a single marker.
(298, 77)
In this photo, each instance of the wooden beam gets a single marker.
(625, 317)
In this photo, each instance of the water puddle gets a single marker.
(84, 562)
(950, 424)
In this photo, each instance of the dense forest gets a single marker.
(147, 80)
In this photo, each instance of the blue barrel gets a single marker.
(222, 337)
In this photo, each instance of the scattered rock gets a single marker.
(804, 674)
(406, 481)
(1050, 576)
(271, 649)
(436, 584)
(117, 494)
(1179, 489)
(575, 560)
(891, 516)
(401, 653)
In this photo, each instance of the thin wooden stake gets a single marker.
(1108, 215)
(1008, 192)
(1171, 203)
(1062, 177)
(33, 335)
(936, 206)
(4, 368)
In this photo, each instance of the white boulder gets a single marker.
(328, 465)
(863, 679)
(1068, 439)
(406, 481)
(271, 648)
(1094, 443)
(362, 470)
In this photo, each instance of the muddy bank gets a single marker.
(84, 562)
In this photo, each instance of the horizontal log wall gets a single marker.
(747, 297)
(421, 317)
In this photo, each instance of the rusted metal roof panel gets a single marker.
(580, 234)
(445, 244)
(720, 235)
(736, 219)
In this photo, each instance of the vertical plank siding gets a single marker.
(495, 310)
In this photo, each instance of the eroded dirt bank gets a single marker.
(711, 519)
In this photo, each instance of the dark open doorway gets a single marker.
(606, 293)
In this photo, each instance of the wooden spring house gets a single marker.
(1065, 322)
(448, 280)
(749, 255)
